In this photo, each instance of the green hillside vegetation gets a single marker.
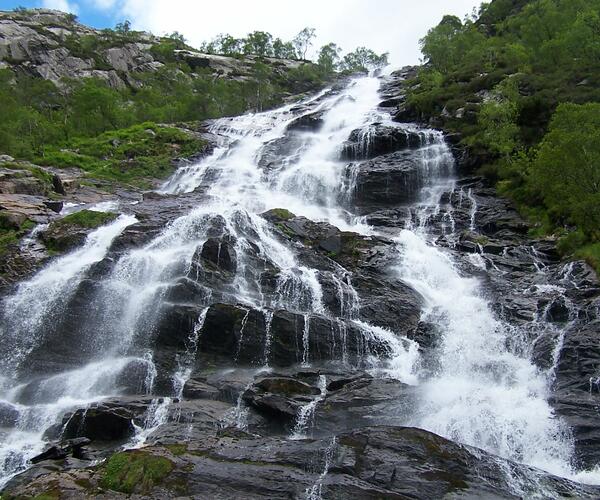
(132, 155)
(75, 123)
(520, 83)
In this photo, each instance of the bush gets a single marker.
(567, 167)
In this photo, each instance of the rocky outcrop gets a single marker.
(373, 462)
(376, 140)
(52, 45)
(576, 394)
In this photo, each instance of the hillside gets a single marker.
(517, 89)
(60, 79)
(333, 298)
(84, 112)
(52, 45)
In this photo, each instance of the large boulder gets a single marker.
(280, 397)
(389, 180)
(309, 122)
(240, 334)
(104, 421)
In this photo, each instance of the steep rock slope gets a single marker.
(259, 351)
(51, 44)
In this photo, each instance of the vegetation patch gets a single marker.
(520, 83)
(10, 234)
(134, 471)
(71, 231)
(591, 254)
(282, 213)
(176, 449)
(88, 219)
(132, 155)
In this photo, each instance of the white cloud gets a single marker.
(103, 4)
(393, 26)
(63, 5)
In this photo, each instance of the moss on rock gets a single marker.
(86, 219)
(134, 471)
(70, 231)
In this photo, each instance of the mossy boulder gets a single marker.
(278, 215)
(70, 231)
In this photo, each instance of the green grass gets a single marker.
(64, 234)
(134, 471)
(591, 254)
(10, 235)
(132, 155)
(86, 218)
(176, 449)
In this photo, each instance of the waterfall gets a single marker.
(485, 392)
(26, 313)
(482, 392)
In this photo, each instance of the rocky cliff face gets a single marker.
(261, 353)
(50, 44)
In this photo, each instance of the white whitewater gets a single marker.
(41, 296)
(483, 394)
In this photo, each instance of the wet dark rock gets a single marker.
(576, 395)
(282, 150)
(52, 453)
(361, 402)
(310, 122)
(220, 253)
(392, 179)
(240, 334)
(198, 389)
(557, 311)
(72, 447)
(133, 378)
(391, 305)
(101, 422)
(371, 462)
(393, 218)
(348, 249)
(55, 206)
(9, 414)
(192, 421)
(176, 325)
(280, 397)
(405, 113)
(379, 140)
(579, 358)
(235, 332)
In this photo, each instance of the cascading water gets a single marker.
(482, 393)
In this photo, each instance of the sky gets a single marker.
(393, 26)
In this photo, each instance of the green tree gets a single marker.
(363, 60)
(284, 50)
(227, 45)
(329, 58)
(303, 41)
(259, 43)
(123, 27)
(567, 167)
(498, 119)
